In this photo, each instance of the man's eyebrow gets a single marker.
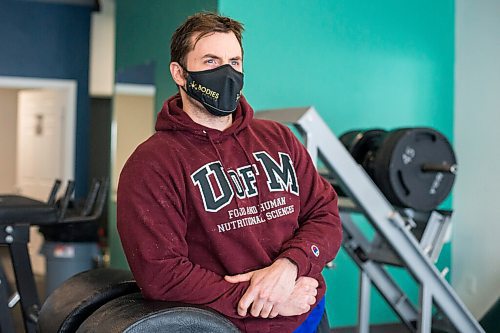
(209, 55)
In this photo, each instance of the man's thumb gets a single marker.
(238, 277)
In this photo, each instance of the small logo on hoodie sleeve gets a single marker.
(315, 250)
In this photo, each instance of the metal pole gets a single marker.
(364, 303)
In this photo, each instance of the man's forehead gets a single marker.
(216, 43)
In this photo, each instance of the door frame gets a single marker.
(69, 88)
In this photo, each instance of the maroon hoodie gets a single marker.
(196, 204)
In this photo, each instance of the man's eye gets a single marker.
(210, 61)
(235, 63)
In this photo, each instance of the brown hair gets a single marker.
(204, 24)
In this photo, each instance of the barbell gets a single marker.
(413, 167)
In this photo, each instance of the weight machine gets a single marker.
(405, 237)
(17, 214)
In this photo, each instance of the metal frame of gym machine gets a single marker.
(16, 217)
(392, 226)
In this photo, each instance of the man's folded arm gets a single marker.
(178, 279)
(152, 229)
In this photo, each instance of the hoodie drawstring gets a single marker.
(216, 150)
(250, 162)
(221, 162)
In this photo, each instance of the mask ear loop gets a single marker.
(182, 87)
(186, 74)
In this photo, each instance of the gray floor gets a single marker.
(385, 328)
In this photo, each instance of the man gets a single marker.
(220, 209)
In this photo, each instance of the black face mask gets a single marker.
(218, 89)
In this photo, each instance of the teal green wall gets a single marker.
(362, 64)
(117, 257)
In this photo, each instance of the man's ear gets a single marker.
(177, 74)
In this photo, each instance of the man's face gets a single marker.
(214, 50)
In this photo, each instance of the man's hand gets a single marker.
(268, 287)
(301, 299)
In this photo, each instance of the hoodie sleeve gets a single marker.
(319, 236)
(152, 230)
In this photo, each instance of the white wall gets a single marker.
(8, 139)
(476, 233)
(102, 50)
(134, 120)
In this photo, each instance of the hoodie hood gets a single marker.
(173, 118)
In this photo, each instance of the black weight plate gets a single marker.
(397, 169)
(360, 143)
(367, 145)
(349, 139)
(379, 169)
